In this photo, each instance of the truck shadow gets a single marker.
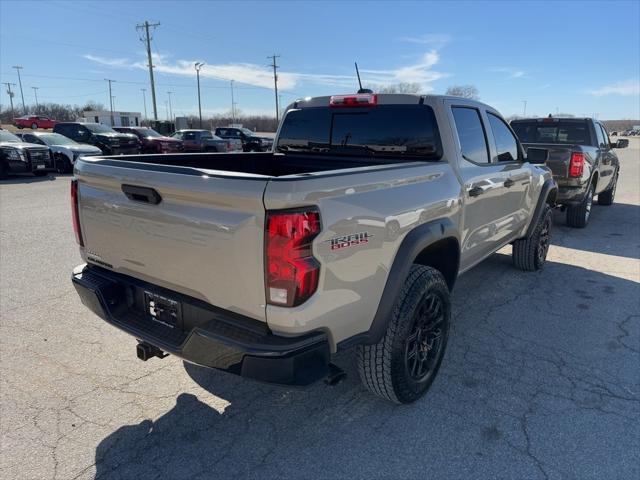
(26, 178)
(497, 362)
(612, 230)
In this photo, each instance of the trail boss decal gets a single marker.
(338, 243)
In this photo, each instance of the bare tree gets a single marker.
(464, 91)
(404, 87)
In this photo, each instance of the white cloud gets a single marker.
(257, 75)
(435, 40)
(512, 72)
(626, 87)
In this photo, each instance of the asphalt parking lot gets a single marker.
(541, 378)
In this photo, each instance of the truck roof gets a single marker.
(386, 99)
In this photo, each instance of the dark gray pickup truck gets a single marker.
(581, 158)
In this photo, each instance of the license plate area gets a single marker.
(163, 310)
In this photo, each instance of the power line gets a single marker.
(275, 83)
(147, 40)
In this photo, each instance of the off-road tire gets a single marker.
(578, 215)
(607, 197)
(385, 367)
(530, 253)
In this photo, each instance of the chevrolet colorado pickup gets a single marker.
(581, 158)
(351, 233)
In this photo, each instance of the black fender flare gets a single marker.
(412, 245)
(549, 187)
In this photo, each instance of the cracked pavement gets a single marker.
(541, 378)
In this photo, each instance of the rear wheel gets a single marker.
(529, 254)
(607, 197)
(403, 364)
(578, 215)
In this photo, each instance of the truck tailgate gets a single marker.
(559, 157)
(203, 239)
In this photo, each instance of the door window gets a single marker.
(605, 135)
(506, 143)
(473, 141)
(599, 135)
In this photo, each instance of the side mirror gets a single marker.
(622, 143)
(537, 156)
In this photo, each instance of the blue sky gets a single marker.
(577, 57)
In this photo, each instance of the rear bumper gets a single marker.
(571, 195)
(207, 335)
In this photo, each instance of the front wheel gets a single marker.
(403, 364)
(529, 254)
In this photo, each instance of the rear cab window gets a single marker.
(553, 130)
(383, 130)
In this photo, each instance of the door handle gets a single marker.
(509, 183)
(476, 191)
(141, 194)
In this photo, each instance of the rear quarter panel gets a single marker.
(385, 203)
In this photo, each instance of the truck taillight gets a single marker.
(576, 164)
(292, 272)
(357, 100)
(75, 213)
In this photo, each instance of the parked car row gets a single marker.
(17, 156)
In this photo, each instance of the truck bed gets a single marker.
(267, 164)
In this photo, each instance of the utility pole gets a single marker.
(170, 109)
(280, 100)
(10, 93)
(144, 101)
(110, 98)
(166, 109)
(233, 106)
(18, 68)
(275, 83)
(198, 66)
(35, 92)
(147, 39)
(524, 110)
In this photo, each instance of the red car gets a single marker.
(34, 121)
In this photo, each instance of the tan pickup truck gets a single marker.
(349, 234)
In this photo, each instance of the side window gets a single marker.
(222, 132)
(506, 143)
(473, 141)
(206, 135)
(607, 141)
(599, 134)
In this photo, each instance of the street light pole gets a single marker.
(170, 109)
(110, 99)
(144, 101)
(233, 105)
(35, 92)
(18, 68)
(198, 66)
